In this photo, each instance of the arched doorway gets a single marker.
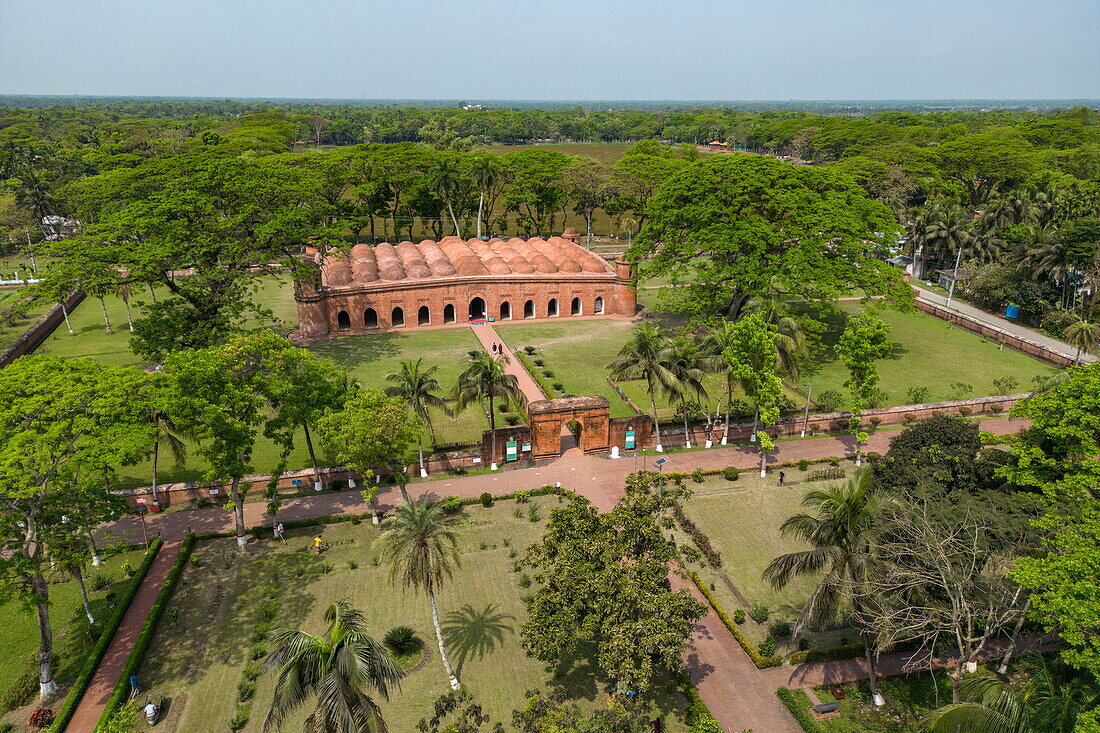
(575, 307)
(506, 311)
(370, 318)
(397, 318)
(423, 316)
(477, 309)
(343, 321)
(448, 313)
(598, 309)
(554, 421)
(529, 309)
(552, 308)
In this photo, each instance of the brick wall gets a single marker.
(1011, 340)
(40, 330)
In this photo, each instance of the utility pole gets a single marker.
(954, 276)
(806, 417)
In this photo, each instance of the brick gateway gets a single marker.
(385, 287)
(593, 414)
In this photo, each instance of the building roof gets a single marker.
(454, 257)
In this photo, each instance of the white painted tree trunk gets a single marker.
(451, 676)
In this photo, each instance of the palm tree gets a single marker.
(716, 343)
(444, 181)
(125, 290)
(485, 379)
(648, 355)
(485, 173)
(419, 389)
(340, 668)
(948, 232)
(791, 344)
(688, 363)
(1050, 701)
(165, 431)
(840, 536)
(1084, 335)
(421, 547)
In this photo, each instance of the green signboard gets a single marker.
(510, 453)
(630, 438)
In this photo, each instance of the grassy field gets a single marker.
(742, 519)
(928, 352)
(10, 332)
(19, 627)
(197, 660)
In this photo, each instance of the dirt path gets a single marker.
(110, 667)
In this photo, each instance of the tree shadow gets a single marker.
(471, 634)
(355, 350)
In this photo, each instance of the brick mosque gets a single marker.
(454, 281)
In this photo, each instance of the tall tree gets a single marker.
(485, 380)
(863, 340)
(981, 162)
(840, 534)
(487, 177)
(688, 361)
(587, 184)
(1083, 335)
(340, 668)
(418, 388)
(736, 226)
(791, 344)
(602, 581)
(719, 338)
(647, 355)
(67, 424)
(753, 359)
(370, 431)
(445, 179)
(420, 545)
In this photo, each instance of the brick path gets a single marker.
(110, 667)
(739, 695)
(488, 336)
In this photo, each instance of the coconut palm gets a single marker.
(840, 533)
(648, 355)
(419, 389)
(165, 432)
(948, 232)
(485, 379)
(340, 669)
(688, 362)
(1083, 335)
(485, 173)
(791, 344)
(721, 338)
(1050, 701)
(444, 179)
(125, 290)
(420, 546)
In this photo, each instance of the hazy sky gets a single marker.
(554, 49)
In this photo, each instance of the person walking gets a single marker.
(782, 478)
(280, 532)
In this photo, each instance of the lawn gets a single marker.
(366, 358)
(908, 699)
(19, 627)
(197, 660)
(742, 519)
(10, 332)
(928, 352)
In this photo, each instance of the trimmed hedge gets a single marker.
(697, 715)
(698, 536)
(757, 658)
(91, 664)
(799, 708)
(145, 636)
(534, 372)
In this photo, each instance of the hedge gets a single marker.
(757, 658)
(844, 651)
(535, 375)
(697, 715)
(145, 636)
(799, 708)
(91, 664)
(698, 536)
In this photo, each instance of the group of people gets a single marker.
(497, 348)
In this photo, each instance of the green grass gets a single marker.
(197, 660)
(8, 298)
(928, 352)
(19, 625)
(908, 699)
(742, 519)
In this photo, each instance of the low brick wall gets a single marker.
(1011, 340)
(40, 330)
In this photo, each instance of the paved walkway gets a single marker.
(110, 667)
(1002, 323)
(488, 336)
(737, 693)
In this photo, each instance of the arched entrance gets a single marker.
(598, 309)
(529, 309)
(448, 313)
(552, 308)
(575, 307)
(477, 308)
(397, 318)
(343, 321)
(592, 416)
(423, 316)
(506, 311)
(370, 318)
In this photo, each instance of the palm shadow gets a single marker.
(472, 634)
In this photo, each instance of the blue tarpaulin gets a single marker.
(1012, 311)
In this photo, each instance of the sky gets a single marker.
(554, 50)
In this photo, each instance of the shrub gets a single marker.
(539, 362)
(558, 386)
(779, 629)
(830, 400)
(759, 613)
(245, 691)
(524, 581)
(965, 411)
(252, 671)
(486, 499)
(41, 717)
(875, 421)
(697, 475)
(961, 389)
(730, 473)
(803, 644)
(826, 474)
(511, 419)
(876, 398)
(533, 513)
(239, 720)
(918, 395)
(195, 562)
(21, 691)
(7, 727)
(767, 647)
(739, 616)
(706, 725)
(529, 349)
(402, 641)
(257, 652)
(502, 407)
(698, 536)
(98, 581)
(128, 569)
(803, 465)
(451, 505)
(1005, 385)
(798, 705)
(522, 496)
(548, 373)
